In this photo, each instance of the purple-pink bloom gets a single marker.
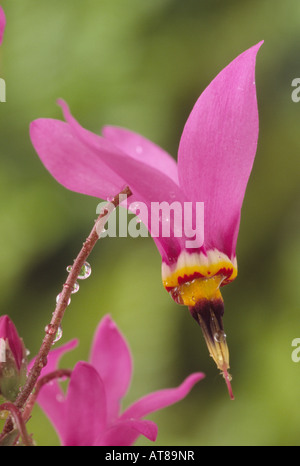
(2, 24)
(215, 158)
(90, 412)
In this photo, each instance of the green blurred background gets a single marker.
(142, 64)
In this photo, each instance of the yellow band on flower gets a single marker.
(197, 276)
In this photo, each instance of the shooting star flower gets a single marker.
(215, 158)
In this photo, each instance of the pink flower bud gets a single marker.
(12, 359)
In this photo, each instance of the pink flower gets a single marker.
(89, 414)
(2, 23)
(12, 359)
(215, 158)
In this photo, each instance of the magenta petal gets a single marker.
(111, 357)
(217, 149)
(51, 397)
(72, 163)
(145, 181)
(125, 433)
(161, 398)
(142, 149)
(148, 184)
(2, 24)
(85, 412)
(90, 164)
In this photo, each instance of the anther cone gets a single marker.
(208, 314)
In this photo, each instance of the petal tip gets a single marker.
(64, 106)
(108, 322)
(2, 23)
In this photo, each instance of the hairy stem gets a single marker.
(57, 316)
(18, 421)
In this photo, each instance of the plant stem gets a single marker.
(19, 422)
(57, 316)
(59, 373)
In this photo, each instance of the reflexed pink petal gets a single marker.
(124, 433)
(71, 163)
(111, 357)
(85, 412)
(142, 149)
(217, 149)
(147, 184)
(87, 163)
(51, 397)
(161, 398)
(2, 24)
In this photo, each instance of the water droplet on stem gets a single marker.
(85, 271)
(50, 329)
(58, 298)
(58, 335)
(75, 288)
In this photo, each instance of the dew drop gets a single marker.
(58, 298)
(58, 335)
(69, 268)
(85, 271)
(75, 288)
(220, 336)
(50, 329)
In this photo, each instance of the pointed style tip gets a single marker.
(209, 315)
(228, 379)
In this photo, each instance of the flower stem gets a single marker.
(19, 422)
(59, 373)
(57, 316)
